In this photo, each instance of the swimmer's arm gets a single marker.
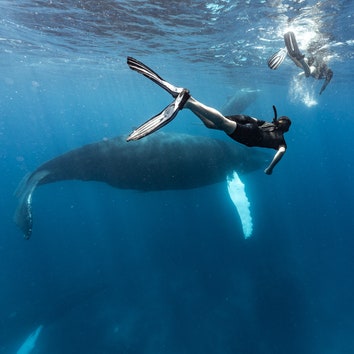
(277, 157)
(328, 78)
(305, 67)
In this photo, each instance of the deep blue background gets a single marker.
(112, 271)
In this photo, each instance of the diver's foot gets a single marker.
(141, 68)
(183, 97)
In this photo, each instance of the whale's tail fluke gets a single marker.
(24, 192)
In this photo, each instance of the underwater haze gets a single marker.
(121, 271)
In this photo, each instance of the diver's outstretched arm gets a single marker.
(328, 78)
(149, 73)
(277, 157)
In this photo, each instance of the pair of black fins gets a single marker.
(291, 48)
(181, 95)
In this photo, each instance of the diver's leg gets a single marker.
(211, 117)
(149, 73)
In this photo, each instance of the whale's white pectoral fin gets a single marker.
(238, 196)
(30, 342)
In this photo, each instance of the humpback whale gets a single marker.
(159, 162)
(239, 102)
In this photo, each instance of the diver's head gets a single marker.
(283, 123)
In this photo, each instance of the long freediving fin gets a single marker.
(141, 68)
(157, 122)
(292, 46)
(294, 52)
(276, 59)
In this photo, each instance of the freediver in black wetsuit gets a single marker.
(244, 129)
(312, 66)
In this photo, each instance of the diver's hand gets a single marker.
(268, 171)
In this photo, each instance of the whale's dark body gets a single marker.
(158, 162)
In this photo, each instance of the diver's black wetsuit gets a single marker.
(254, 132)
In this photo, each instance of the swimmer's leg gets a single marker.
(211, 117)
(149, 73)
(161, 119)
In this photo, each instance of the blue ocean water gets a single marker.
(121, 271)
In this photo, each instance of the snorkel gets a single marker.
(283, 123)
(275, 119)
